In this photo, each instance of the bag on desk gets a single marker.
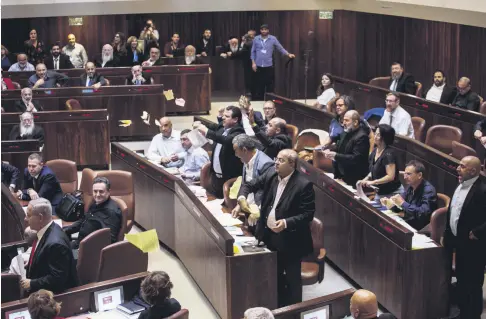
(71, 207)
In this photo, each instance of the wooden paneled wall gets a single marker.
(354, 45)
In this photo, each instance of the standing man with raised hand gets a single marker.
(262, 61)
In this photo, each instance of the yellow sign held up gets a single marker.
(146, 241)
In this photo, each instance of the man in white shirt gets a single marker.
(466, 234)
(76, 52)
(22, 64)
(165, 144)
(440, 92)
(397, 117)
(194, 158)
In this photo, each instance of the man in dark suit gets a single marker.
(190, 56)
(106, 59)
(232, 50)
(287, 209)
(27, 130)
(401, 81)
(465, 98)
(275, 138)
(224, 163)
(91, 78)
(138, 77)
(205, 45)
(350, 160)
(10, 176)
(57, 60)
(51, 265)
(466, 234)
(26, 103)
(40, 181)
(154, 58)
(439, 91)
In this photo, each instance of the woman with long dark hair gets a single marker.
(34, 48)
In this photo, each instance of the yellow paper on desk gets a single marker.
(146, 241)
(235, 188)
(169, 95)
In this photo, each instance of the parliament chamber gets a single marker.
(218, 265)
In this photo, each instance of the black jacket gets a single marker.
(21, 107)
(272, 145)
(98, 61)
(53, 265)
(481, 126)
(406, 84)
(470, 101)
(10, 174)
(296, 206)
(96, 78)
(37, 134)
(167, 309)
(210, 47)
(105, 215)
(129, 58)
(351, 161)
(448, 94)
(146, 76)
(64, 62)
(236, 55)
(231, 165)
(198, 60)
(47, 186)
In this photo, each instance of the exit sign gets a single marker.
(326, 15)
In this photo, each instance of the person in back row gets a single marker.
(107, 59)
(165, 144)
(154, 58)
(27, 130)
(465, 98)
(400, 81)
(397, 117)
(27, 104)
(439, 91)
(76, 52)
(21, 65)
(102, 213)
(57, 60)
(156, 291)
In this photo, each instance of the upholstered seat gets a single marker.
(10, 287)
(312, 267)
(73, 104)
(435, 229)
(460, 151)
(440, 137)
(418, 124)
(66, 172)
(293, 132)
(121, 259)
(89, 255)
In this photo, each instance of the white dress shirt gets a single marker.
(249, 177)
(400, 120)
(164, 147)
(458, 201)
(282, 183)
(326, 96)
(217, 150)
(245, 121)
(435, 93)
(393, 85)
(56, 63)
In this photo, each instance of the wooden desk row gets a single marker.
(189, 82)
(368, 96)
(232, 283)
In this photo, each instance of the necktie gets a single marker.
(138, 82)
(56, 65)
(391, 119)
(34, 182)
(90, 81)
(34, 246)
(135, 56)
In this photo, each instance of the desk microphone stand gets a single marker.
(307, 54)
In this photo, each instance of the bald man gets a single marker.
(465, 98)
(274, 138)
(286, 229)
(76, 52)
(91, 78)
(350, 160)
(363, 305)
(106, 59)
(166, 147)
(27, 103)
(22, 64)
(190, 56)
(44, 79)
(465, 234)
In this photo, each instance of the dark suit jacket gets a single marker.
(351, 161)
(47, 186)
(10, 174)
(96, 78)
(37, 134)
(472, 218)
(261, 165)
(447, 96)
(20, 106)
(64, 62)
(231, 165)
(210, 48)
(147, 77)
(272, 145)
(53, 265)
(296, 206)
(129, 58)
(237, 55)
(406, 84)
(198, 60)
(470, 101)
(98, 61)
(166, 309)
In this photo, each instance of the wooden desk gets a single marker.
(17, 152)
(232, 283)
(79, 136)
(368, 96)
(79, 300)
(190, 82)
(13, 215)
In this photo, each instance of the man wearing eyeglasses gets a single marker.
(397, 117)
(465, 98)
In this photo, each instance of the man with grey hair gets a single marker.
(106, 59)
(275, 138)
(465, 98)
(51, 264)
(27, 103)
(190, 56)
(44, 79)
(27, 130)
(22, 64)
(286, 229)
(258, 313)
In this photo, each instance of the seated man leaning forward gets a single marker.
(103, 213)
(165, 144)
(194, 158)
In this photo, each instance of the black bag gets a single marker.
(71, 207)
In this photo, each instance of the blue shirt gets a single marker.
(16, 67)
(335, 129)
(52, 78)
(262, 50)
(194, 160)
(419, 204)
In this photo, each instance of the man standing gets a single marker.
(102, 213)
(76, 52)
(275, 138)
(22, 64)
(27, 130)
(91, 78)
(165, 144)
(40, 181)
(288, 206)
(397, 117)
(57, 60)
(225, 164)
(466, 234)
(262, 61)
(194, 158)
(465, 98)
(27, 104)
(43, 79)
(106, 59)
(440, 92)
(400, 81)
(205, 45)
(51, 264)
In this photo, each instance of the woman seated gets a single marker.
(41, 305)
(325, 91)
(343, 104)
(383, 165)
(156, 289)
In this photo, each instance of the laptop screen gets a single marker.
(22, 313)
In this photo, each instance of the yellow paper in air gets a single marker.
(146, 241)
(169, 95)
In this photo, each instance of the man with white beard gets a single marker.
(232, 49)
(106, 58)
(27, 130)
(190, 56)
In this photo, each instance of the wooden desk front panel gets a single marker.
(13, 224)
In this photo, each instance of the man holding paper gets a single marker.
(194, 158)
(165, 144)
(288, 206)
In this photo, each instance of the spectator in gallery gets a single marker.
(325, 91)
(22, 64)
(119, 45)
(190, 56)
(44, 79)
(6, 59)
(401, 81)
(205, 45)
(106, 59)
(440, 92)
(76, 52)
(465, 98)
(91, 78)
(232, 49)
(57, 60)
(154, 58)
(174, 47)
(27, 103)
(134, 52)
(34, 48)
(27, 130)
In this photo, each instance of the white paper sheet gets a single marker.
(196, 138)
(17, 266)
(360, 193)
